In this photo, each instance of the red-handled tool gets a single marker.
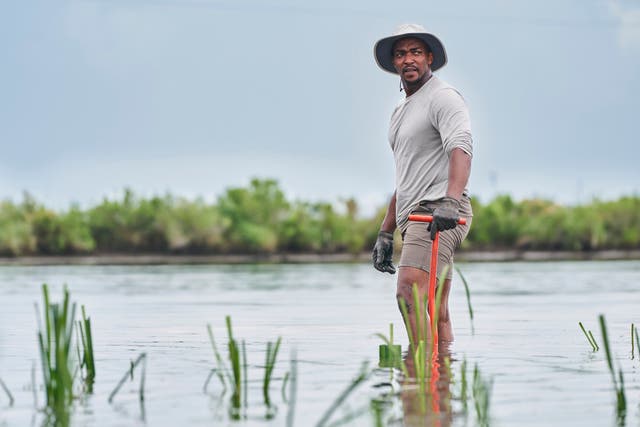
(433, 272)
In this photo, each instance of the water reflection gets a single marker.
(428, 404)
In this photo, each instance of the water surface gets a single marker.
(526, 339)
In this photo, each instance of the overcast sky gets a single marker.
(194, 96)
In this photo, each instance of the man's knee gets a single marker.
(408, 279)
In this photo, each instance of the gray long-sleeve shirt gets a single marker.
(424, 130)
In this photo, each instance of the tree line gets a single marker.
(258, 219)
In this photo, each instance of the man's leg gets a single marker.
(445, 331)
(407, 276)
(415, 263)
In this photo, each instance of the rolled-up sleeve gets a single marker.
(450, 116)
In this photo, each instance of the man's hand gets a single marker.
(445, 216)
(382, 253)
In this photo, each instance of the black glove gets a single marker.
(382, 252)
(445, 216)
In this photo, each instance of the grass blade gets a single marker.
(418, 310)
(407, 323)
(605, 340)
(383, 338)
(293, 389)
(6, 390)
(468, 294)
(221, 365)
(362, 376)
(594, 340)
(593, 346)
(632, 344)
(129, 374)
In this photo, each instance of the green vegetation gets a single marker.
(142, 358)
(632, 343)
(87, 361)
(481, 390)
(259, 219)
(468, 295)
(54, 339)
(364, 374)
(271, 355)
(621, 400)
(590, 338)
(389, 354)
(6, 390)
(237, 375)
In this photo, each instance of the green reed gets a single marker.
(417, 349)
(221, 370)
(140, 360)
(481, 390)
(237, 376)
(637, 339)
(6, 390)
(389, 354)
(293, 389)
(463, 384)
(364, 374)
(468, 294)
(272, 354)
(621, 400)
(87, 360)
(237, 371)
(54, 340)
(438, 301)
(590, 338)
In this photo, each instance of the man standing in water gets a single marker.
(430, 137)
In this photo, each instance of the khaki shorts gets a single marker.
(416, 240)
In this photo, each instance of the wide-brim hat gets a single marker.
(383, 49)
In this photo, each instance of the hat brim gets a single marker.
(383, 50)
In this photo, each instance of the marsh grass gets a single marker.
(87, 360)
(7, 392)
(438, 301)
(419, 349)
(389, 354)
(237, 373)
(54, 339)
(271, 355)
(637, 339)
(293, 389)
(632, 344)
(221, 370)
(468, 294)
(463, 385)
(481, 390)
(590, 338)
(362, 376)
(618, 384)
(141, 359)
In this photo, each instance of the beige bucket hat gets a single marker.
(383, 48)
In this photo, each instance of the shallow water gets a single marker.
(526, 339)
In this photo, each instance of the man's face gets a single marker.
(411, 59)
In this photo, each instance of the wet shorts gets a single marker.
(416, 240)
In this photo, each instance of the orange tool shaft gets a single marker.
(433, 275)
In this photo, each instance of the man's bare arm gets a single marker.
(459, 170)
(389, 221)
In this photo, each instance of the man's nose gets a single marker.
(408, 59)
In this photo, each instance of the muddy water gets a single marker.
(526, 340)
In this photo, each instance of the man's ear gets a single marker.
(430, 58)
